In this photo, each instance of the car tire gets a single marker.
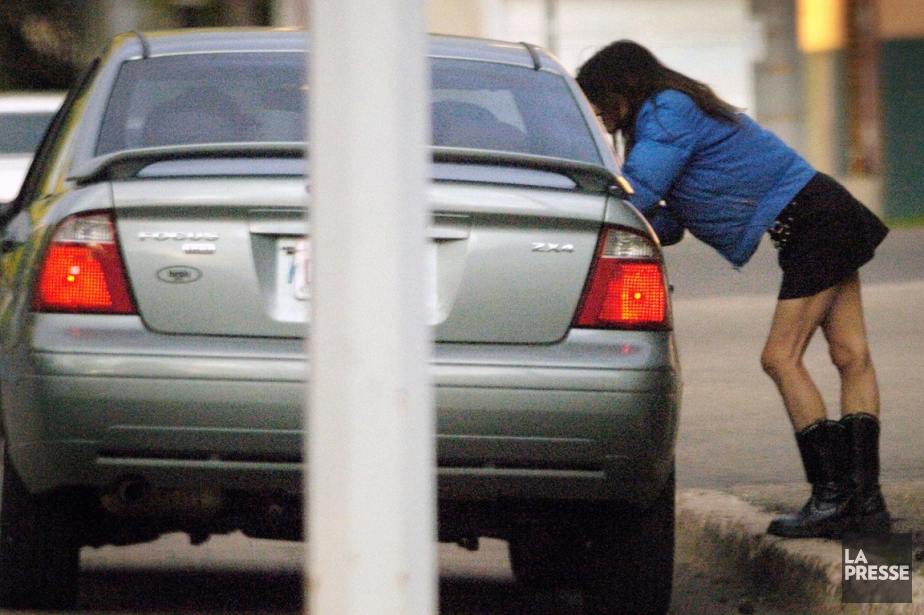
(39, 545)
(545, 552)
(629, 559)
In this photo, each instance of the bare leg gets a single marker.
(847, 341)
(841, 458)
(794, 323)
(845, 331)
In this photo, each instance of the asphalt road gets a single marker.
(236, 575)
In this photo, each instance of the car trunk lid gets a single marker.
(231, 256)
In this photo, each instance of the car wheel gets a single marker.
(629, 559)
(39, 545)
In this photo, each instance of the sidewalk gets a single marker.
(727, 531)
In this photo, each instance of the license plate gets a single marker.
(300, 269)
(293, 279)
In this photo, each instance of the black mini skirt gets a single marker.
(823, 236)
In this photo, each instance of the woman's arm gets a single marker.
(665, 140)
(666, 227)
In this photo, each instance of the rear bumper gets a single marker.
(94, 400)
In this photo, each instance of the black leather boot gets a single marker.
(823, 447)
(868, 512)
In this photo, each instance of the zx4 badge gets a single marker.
(540, 246)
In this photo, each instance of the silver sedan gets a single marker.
(156, 281)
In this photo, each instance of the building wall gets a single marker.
(778, 79)
(460, 17)
(902, 29)
(901, 19)
(821, 36)
(715, 41)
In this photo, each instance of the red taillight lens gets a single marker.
(627, 289)
(83, 271)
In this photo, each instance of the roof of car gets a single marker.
(193, 40)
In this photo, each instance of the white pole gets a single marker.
(371, 470)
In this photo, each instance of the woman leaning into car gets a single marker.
(728, 181)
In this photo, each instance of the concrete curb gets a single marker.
(727, 533)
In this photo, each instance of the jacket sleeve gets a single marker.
(664, 143)
(666, 227)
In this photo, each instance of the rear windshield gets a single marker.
(21, 133)
(506, 108)
(205, 98)
(259, 97)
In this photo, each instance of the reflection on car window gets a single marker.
(21, 133)
(206, 98)
(259, 97)
(482, 105)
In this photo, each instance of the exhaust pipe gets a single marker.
(128, 493)
(137, 497)
(133, 490)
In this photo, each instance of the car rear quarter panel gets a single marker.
(28, 233)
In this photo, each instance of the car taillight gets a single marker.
(627, 288)
(82, 270)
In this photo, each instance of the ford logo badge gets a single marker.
(179, 274)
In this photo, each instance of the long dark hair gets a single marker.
(632, 71)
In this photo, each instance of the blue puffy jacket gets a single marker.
(724, 182)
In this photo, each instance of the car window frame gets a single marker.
(49, 140)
